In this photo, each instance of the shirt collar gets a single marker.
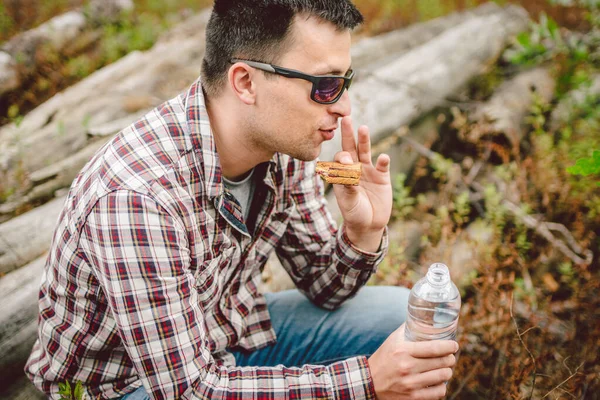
(203, 142)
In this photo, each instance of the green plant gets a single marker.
(6, 22)
(496, 213)
(537, 45)
(537, 114)
(79, 67)
(587, 166)
(441, 166)
(403, 203)
(573, 55)
(67, 392)
(522, 241)
(462, 208)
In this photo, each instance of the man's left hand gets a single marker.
(366, 208)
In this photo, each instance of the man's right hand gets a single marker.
(412, 370)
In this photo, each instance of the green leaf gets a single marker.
(553, 28)
(586, 166)
(78, 392)
(524, 39)
(64, 390)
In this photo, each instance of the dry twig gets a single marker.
(469, 376)
(565, 381)
(519, 334)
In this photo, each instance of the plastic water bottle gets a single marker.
(433, 307)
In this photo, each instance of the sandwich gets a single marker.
(338, 173)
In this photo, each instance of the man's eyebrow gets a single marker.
(334, 72)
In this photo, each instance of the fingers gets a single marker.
(383, 163)
(343, 157)
(430, 378)
(364, 145)
(348, 143)
(362, 151)
(434, 348)
(431, 393)
(431, 364)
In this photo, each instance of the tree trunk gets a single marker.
(504, 113)
(18, 55)
(18, 318)
(28, 236)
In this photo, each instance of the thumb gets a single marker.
(398, 334)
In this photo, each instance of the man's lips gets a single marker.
(327, 134)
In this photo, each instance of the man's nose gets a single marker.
(342, 107)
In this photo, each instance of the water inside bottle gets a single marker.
(431, 321)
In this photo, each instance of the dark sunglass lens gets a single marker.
(328, 89)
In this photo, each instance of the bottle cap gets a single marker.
(438, 275)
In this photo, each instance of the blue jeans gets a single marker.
(307, 334)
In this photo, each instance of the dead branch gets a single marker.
(542, 229)
(519, 334)
(565, 381)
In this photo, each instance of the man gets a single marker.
(150, 288)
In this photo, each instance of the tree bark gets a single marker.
(18, 55)
(504, 113)
(26, 237)
(119, 92)
(18, 318)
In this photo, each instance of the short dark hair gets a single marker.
(258, 29)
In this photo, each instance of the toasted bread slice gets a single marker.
(338, 173)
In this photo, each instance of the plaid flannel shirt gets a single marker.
(153, 272)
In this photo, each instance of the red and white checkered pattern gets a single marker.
(153, 271)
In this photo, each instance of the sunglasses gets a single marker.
(326, 89)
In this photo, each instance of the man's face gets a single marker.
(286, 119)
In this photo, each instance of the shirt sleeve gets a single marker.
(141, 257)
(318, 256)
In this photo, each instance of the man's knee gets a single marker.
(381, 308)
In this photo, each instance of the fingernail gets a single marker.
(347, 159)
(455, 347)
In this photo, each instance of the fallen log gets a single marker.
(373, 52)
(18, 318)
(416, 82)
(504, 113)
(19, 53)
(21, 389)
(60, 127)
(47, 181)
(26, 237)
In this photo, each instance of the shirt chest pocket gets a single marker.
(278, 222)
(209, 280)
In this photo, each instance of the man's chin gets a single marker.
(306, 155)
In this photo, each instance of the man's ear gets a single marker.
(241, 80)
